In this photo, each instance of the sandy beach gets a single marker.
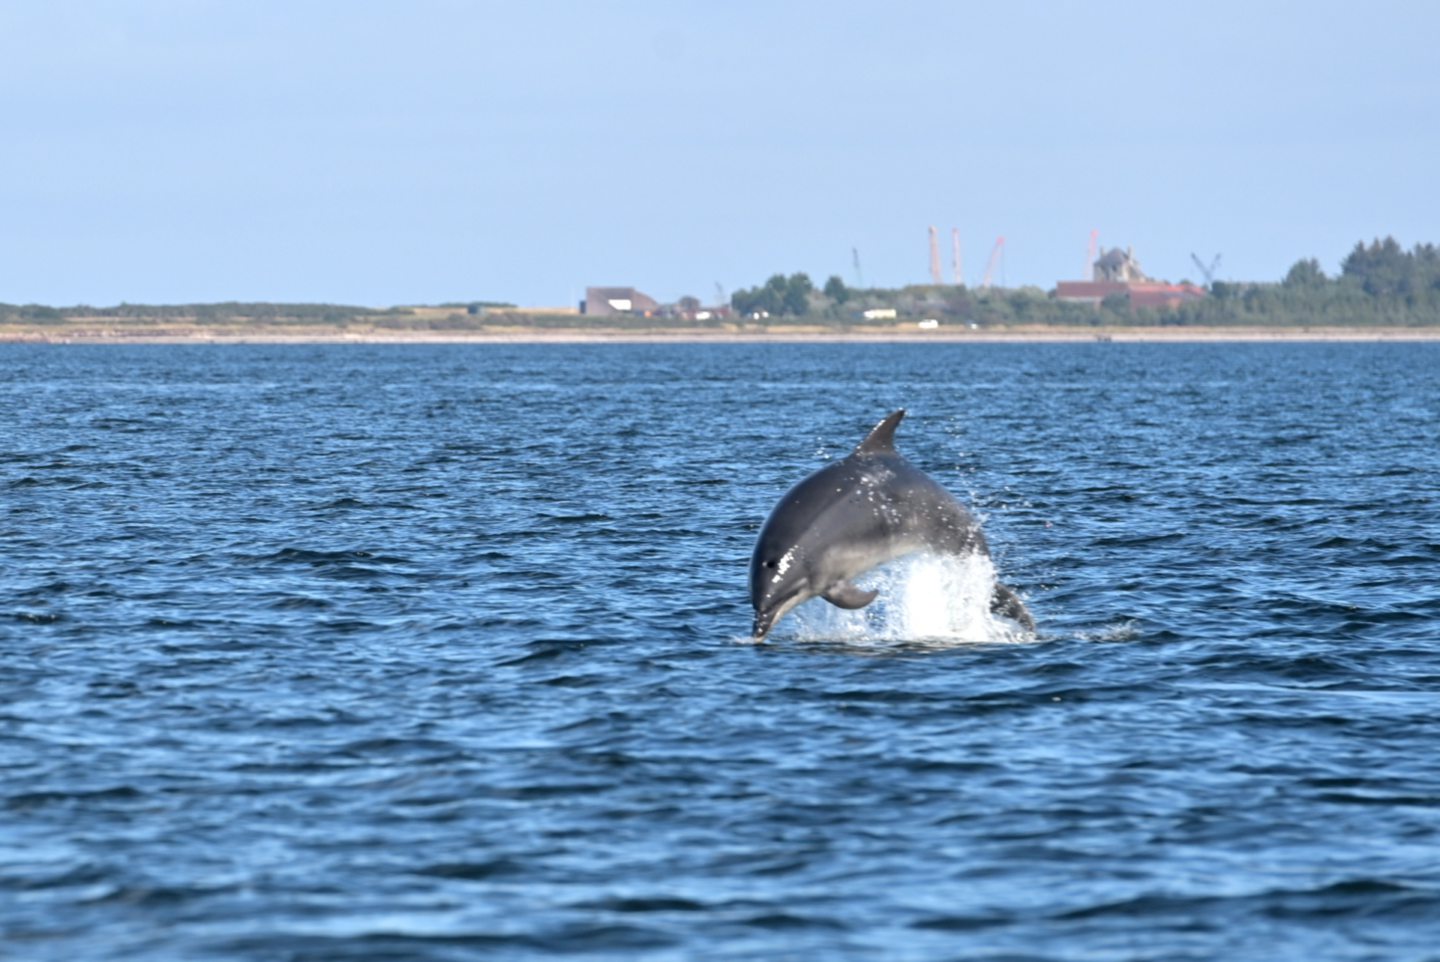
(225, 334)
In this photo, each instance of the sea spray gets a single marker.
(923, 599)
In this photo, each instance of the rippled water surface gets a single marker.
(397, 652)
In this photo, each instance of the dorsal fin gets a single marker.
(882, 439)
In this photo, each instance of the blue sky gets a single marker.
(164, 151)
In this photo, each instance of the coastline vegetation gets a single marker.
(228, 312)
(1379, 284)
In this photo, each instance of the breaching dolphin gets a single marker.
(851, 516)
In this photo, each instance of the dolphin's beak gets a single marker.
(765, 618)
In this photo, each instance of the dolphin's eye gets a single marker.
(769, 564)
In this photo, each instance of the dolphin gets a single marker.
(853, 515)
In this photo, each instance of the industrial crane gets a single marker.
(1207, 272)
(995, 255)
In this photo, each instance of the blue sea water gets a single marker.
(438, 653)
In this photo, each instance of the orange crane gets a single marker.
(995, 255)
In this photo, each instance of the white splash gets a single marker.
(1128, 630)
(923, 600)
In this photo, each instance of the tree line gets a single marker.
(1379, 283)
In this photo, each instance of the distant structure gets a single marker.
(1118, 265)
(1117, 273)
(1207, 272)
(600, 301)
(997, 257)
(936, 276)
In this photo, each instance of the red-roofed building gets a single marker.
(1118, 273)
(1140, 294)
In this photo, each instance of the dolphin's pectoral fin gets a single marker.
(1006, 603)
(846, 595)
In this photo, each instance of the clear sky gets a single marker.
(378, 153)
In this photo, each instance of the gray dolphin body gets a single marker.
(851, 516)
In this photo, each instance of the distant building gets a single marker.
(1118, 273)
(690, 309)
(1118, 265)
(1149, 294)
(600, 301)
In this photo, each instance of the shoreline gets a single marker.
(191, 334)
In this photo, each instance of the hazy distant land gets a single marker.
(84, 330)
(1381, 292)
(441, 325)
